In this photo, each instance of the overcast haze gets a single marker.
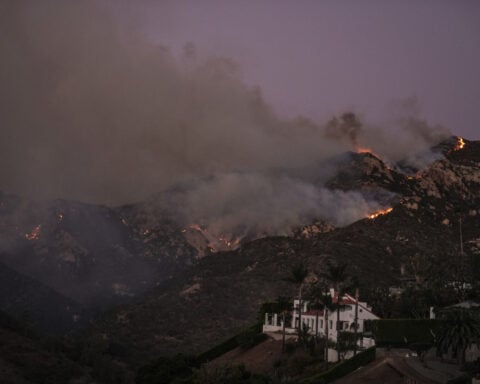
(319, 57)
(112, 101)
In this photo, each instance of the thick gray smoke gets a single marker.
(92, 110)
(238, 205)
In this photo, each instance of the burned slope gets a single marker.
(26, 358)
(38, 305)
(92, 255)
(417, 240)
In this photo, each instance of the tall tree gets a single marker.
(328, 306)
(337, 275)
(461, 328)
(284, 305)
(298, 274)
(314, 295)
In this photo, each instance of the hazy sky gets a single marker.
(100, 100)
(318, 57)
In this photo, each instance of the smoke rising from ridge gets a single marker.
(238, 204)
(93, 111)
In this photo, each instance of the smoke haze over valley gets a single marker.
(93, 110)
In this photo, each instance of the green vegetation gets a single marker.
(298, 274)
(460, 329)
(337, 275)
(403, 332)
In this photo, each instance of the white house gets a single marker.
(314, 319)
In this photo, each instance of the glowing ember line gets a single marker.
(34, 234)
(379, 213)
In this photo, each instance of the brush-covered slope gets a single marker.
(95, 255)
(417, 240)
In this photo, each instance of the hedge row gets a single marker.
(463, 379)
(399, 333)
(343, 368)
(231, 343)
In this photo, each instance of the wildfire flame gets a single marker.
(230, 243)
(364, 150)
(379, 213)
(60, 217)
(34, 234)
(460, 144)
(220, 243)
(368, 150)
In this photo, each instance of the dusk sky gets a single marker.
(319, 57)
(113, 100)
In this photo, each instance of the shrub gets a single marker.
(403, 332)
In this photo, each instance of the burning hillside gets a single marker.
(379, 213)
(460, 144)
(413, 239)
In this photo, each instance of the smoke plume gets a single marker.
(91, 110)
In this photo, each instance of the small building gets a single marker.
(315, 320)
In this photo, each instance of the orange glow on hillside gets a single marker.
(460, 144)
(367, 150)
(34, 234)
(364, 150)
(379, 213)
(215, 242)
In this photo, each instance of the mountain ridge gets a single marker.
(192, 302)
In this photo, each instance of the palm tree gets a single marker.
(298, 274)
(355, 285)
(328, 306)
(314, 296)
(337, 275)
(461, 329)
(283, 305)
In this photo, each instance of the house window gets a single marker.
(345, 325)
(330, 324)
(321, 323)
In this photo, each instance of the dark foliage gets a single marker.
(403, 332)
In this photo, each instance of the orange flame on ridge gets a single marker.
(460, 144)
(379, 213)
(364, 150)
